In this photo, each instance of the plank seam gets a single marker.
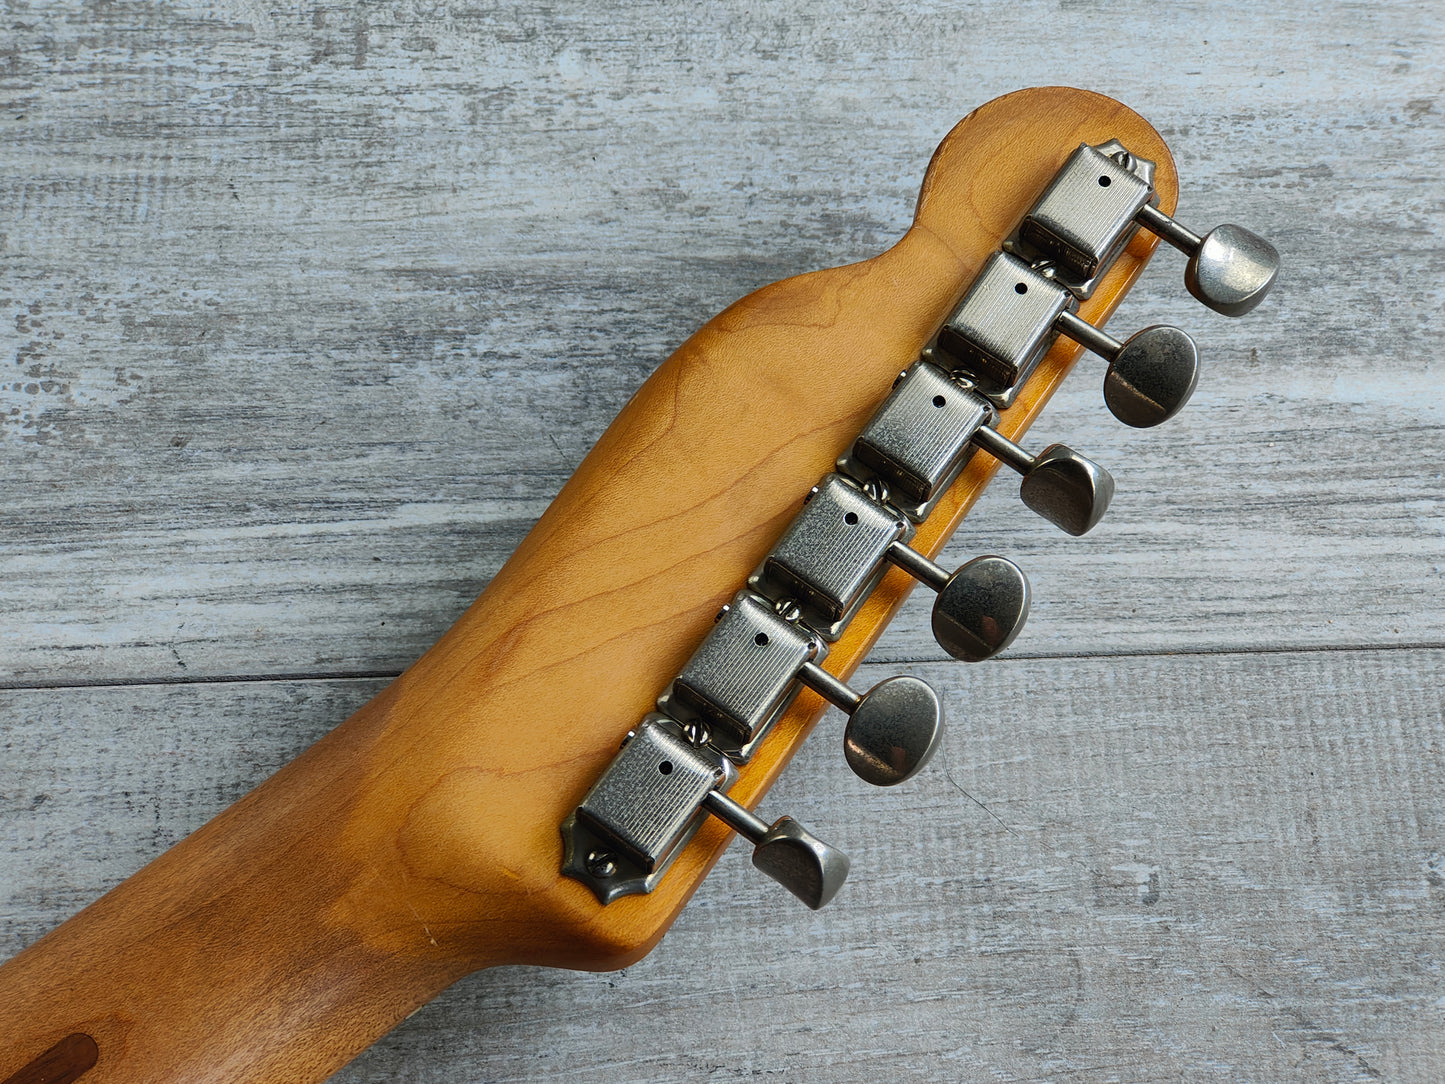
(920, 660)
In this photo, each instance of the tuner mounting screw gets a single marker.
(789, 610)
(600, 864)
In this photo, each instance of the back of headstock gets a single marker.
(809, 361)
(422, 838)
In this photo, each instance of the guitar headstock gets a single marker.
(602, 624)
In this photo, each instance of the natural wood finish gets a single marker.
(65, 1062)
(419, 840)
(448, 270)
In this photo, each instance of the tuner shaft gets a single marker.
(830, 688)
(926, 572)
(1088, 336)
(1161, 225)
(1004, 450)
(735, 816)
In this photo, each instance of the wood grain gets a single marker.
(419, 841)
(1209, 865)
(65, 1062)
(456, 242)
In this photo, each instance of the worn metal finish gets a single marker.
(1069, 490)
(918, 441)
(1141, 167)
(1095, 242)
(787, 852)
(1232, 270)
(831, 556)
(646, 798)
(982, 608)
(742, 675)
(1003, 326)
(932, 575)
(651, 800)
(1151, 374)
(892, 728)
(833, 689)
(894, 731)
(640, 812)
(1086, 215)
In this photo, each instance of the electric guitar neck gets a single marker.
(551, 782)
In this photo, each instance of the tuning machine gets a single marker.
(649, 802)
(893, 729)
(752, 664)
(927, 430)
(1090, 210)
(980, 608)
(839, 546)
(786, 851)
(1007, 322)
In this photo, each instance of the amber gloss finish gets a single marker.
(419, 840)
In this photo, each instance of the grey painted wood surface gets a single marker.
(308, 312)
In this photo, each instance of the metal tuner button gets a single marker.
(893, 729)
(786, 851)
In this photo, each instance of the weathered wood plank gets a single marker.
(1211, 866)
(307, 313)
(312, 313)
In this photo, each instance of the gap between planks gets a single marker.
(920, 660)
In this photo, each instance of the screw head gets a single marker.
(600, 864)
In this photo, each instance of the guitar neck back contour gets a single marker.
(419, 840)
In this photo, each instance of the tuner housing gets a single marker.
(831, 557)
(918, 442)
(629, 828)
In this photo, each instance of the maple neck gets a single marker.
(233, 955)
(420, 840)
